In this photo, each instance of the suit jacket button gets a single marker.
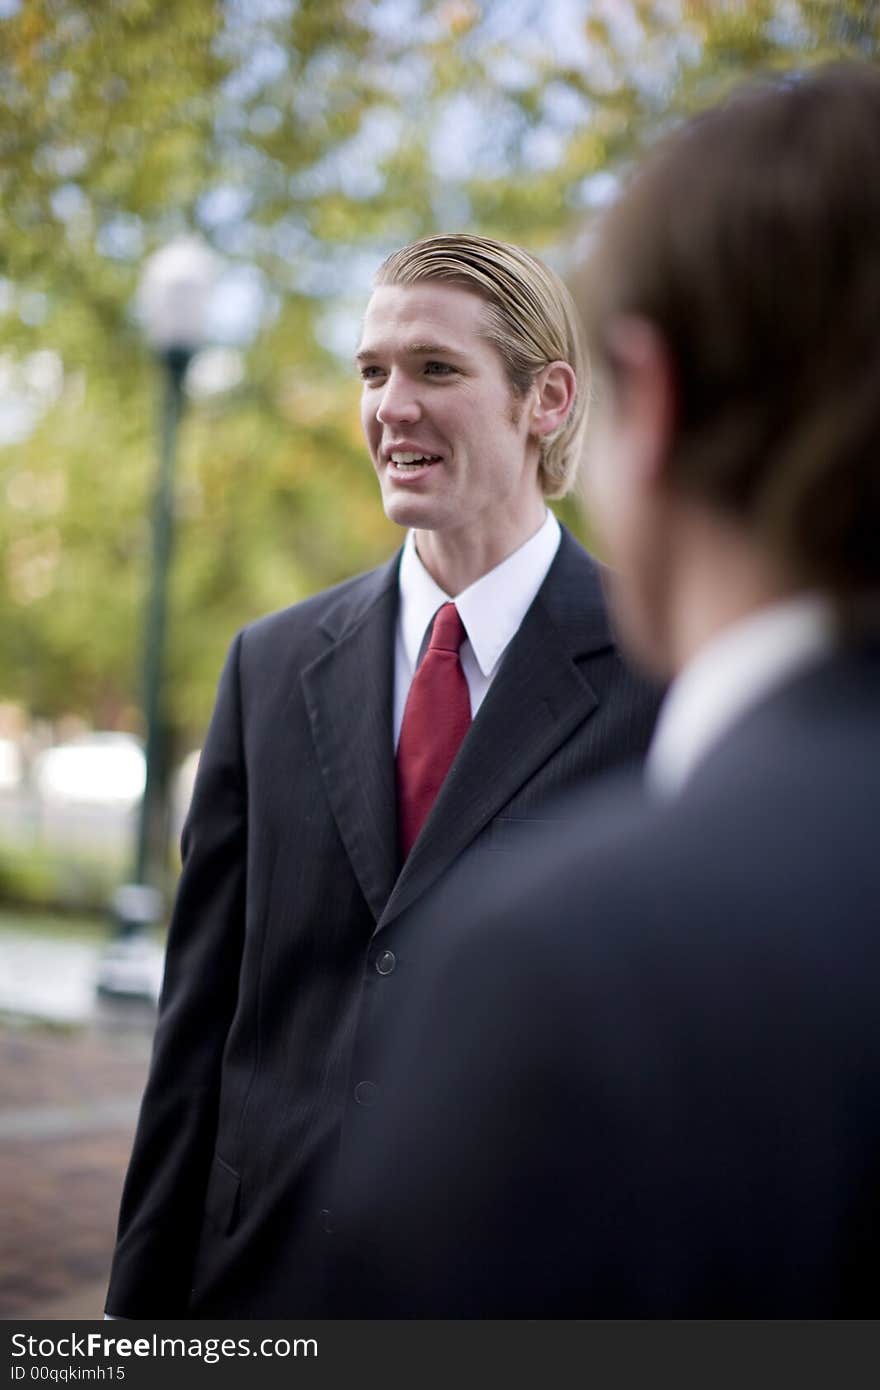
(326, 1218)
(385, 962)
(365, 1093)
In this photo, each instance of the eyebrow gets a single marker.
(413, 350)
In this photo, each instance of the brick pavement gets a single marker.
(68, 1101)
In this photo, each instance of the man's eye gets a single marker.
(369, 373)
(439, 369)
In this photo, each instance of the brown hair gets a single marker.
(531, 320)
(751, 239)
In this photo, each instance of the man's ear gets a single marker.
(644, 380)
(555, 388)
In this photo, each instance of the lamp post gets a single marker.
(173, 301)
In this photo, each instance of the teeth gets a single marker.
(406, 458)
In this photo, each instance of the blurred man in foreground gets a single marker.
(657, 1094)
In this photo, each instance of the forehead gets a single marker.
(399, 316)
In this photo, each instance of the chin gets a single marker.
(401, 514)
(415, 513)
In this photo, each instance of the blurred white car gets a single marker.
(11, 765)
(102, 769)
(182, 788)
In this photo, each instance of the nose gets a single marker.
(399, 403)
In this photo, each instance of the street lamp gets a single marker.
(173, 302)
(174, 297)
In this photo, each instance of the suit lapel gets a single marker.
(537, 699)
(349, 696)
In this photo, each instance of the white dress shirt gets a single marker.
(732, 672)
(491, 610)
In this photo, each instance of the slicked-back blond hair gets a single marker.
(530, 319)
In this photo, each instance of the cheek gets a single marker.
(636, 550)
(635, 625)
(639, 611)
(601, 487)
(369, 423)
(632, 536)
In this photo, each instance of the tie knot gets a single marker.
(448, 631)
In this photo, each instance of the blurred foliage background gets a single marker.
(303, 141)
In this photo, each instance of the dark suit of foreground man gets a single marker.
(658, 1093)
(296, 894)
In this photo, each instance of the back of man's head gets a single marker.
(530, 318)
(750, 239)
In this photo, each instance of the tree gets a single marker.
(305, 140)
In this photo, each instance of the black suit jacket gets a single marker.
(636, 1073)
(289, 893)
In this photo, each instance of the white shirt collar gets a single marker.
(732, 672)
(491, 609)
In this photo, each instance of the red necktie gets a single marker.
(435, 720)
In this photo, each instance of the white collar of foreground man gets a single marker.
(735, 670)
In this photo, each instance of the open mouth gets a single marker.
(404, 462)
